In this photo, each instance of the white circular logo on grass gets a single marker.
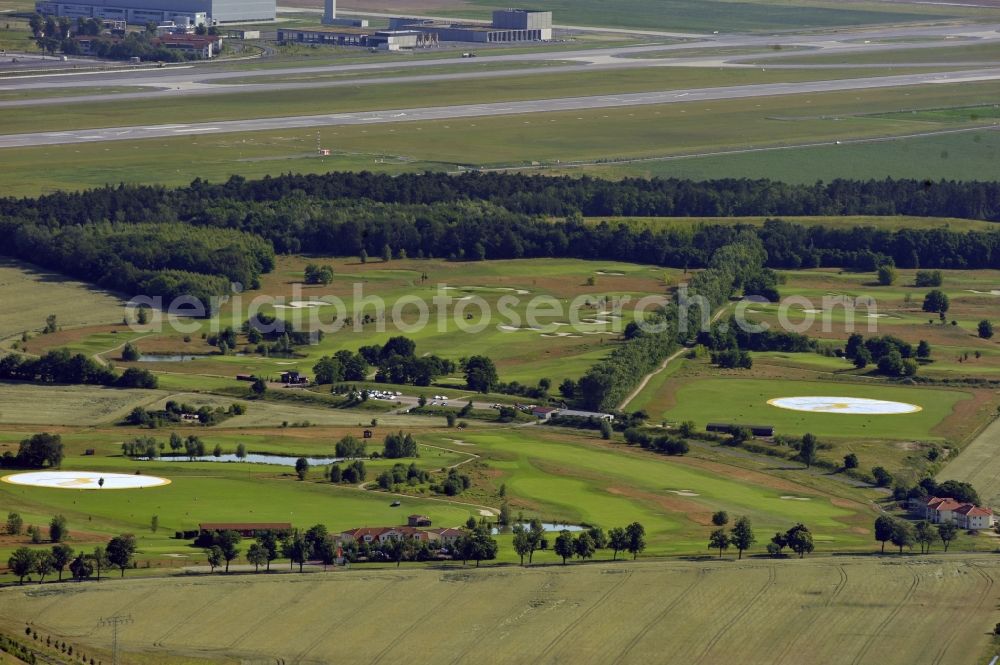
(84, 480)
(850, 405)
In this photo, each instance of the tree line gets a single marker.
(208, 235)
(61, 366)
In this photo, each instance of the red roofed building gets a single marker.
(447, 536)
(383, 534)
(973, 517)
(966, 515)
(206, 46)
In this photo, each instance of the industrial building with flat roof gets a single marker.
(509, 25)
(181, 12)
(385, 40)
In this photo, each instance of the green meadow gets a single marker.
(319, 100)
(705, 16)
(745, 401)
(765, 137)
(528, 342)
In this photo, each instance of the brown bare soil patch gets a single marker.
(968, 415)
(693, 511)
(40, 344)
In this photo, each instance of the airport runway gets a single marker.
(208, 78)
(489, 110)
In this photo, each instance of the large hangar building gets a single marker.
(181, 12)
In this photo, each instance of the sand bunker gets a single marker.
(992, 292)
(302, 304)
(84, 480)
(848, 405)
(683, 492)
(796, 498)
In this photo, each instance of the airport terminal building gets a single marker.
(181, 12)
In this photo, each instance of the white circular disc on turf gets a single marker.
(849, 405)
(84, 480)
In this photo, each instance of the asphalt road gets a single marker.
(488, 110)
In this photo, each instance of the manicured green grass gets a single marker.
(322, 100)
(553, 139)
(477, 66)
(581, 482)
(966, 156)
(523, 354)
(744, 401)
(15, 95)
(966, 52)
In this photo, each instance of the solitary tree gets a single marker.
(522, 541)
(43, 565)
(214, 556)
(81, 568)
(130, 352)
(985, 329)
(21, 563)
(742, 536)
(617, 541)
(298, 549)
(936, 301)
(100, 559)
(62, 554)
(719, 540)
(800, 539)
(850, 461)
(882, 477)
(886, 274)
(585, 546)
(536, 534)
(636, 539)
(564, 545)
(947, 532)
(268, 540)
(807, 450)
(883, 529)
(257, 555)
(227, 542)
(720, 518)
(57, 529)
(902, 535)
(301, 468)
(120, 551)
(925, 535)
(14, 524)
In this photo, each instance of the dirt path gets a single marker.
(646, 379)
(99, 356)
(483, 510)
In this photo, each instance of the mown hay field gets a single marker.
(889, 611)
(29, 294)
